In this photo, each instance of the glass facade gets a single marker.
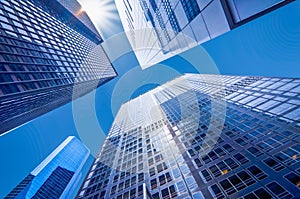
(19, 192)
(240, 10)
(191, 9)
(197, 21)
(75, 8)
(57, 176)
(54, 186)
(44, 51)
(203, 136)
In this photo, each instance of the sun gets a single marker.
(103, 13)
(90, 6)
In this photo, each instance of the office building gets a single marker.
(46, 48)
(159, 29)
(203, 136)
(57, 176)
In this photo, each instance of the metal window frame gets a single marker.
(230, 18)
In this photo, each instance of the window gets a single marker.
(191, 8)
(164, 178)
(278, 190)
(255, 151)
(169, 192)
(127, 183)
(113, 190)
(191, 183)
(160, 168)
(220, 152)
(152, 171)
(223, 167)
(176, 173)
(216, 192)
(155, 196)
(140, 167)
(158, 158)
(228, 148)
(150, 162)
(242, 159)
(273, 164)
(181, 187)
(231, 163)
(8, 27)
(198, 195)
(294, 179)
(289, 156)
(288, 134)
(184, 169)
(171, 16)
(133, 180)
(268, 144)
(253, 135)
(230, 134)
(212, 155)
(241, 142)
(153, 183)
(259, 193)
(262, 193)
(205, 175)
(198, 163)
(132, 193)
(236, 182)
(258, 173)
(215, 171)
(246, 178)
(206, 159)
(168, 177)
(120, 186)
(227, 186)
(141, 177)
(140, 190)
(3, 18)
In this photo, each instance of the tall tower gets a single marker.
(57, 176)
(159, 29)
(203, 136)
(47, 48)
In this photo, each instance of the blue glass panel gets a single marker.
(246, 9)
(215, 19)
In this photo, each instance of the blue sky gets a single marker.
(267, 46)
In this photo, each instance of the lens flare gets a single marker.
(103, 13)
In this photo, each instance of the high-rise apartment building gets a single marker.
(159, 29)
(203, 136)
(57, 176)
(46, 48)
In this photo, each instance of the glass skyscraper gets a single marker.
(203, 136)
(57, 176)
(46, 48)
(159, 29)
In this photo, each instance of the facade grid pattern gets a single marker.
(157, 140)
(176, 26)
(45, 52)
(57, 176)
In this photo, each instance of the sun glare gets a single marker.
(89, 6)
(101, 12)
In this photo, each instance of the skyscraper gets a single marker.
(57, 176)
(203, 136)
(46, 48)
(159, 29)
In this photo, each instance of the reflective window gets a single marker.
(191, 8)
(294, 179)
(278, 190)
